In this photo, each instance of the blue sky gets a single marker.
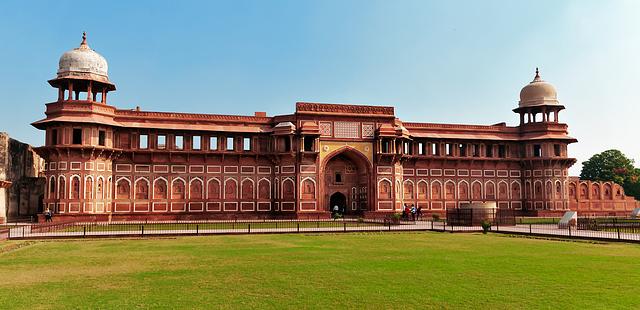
(435, 61)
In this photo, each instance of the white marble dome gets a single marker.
(83, 62)
(538, 92)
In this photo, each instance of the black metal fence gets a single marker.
(601, 229)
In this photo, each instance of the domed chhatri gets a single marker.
(538, 92)
(83, 63)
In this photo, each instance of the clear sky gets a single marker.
(434, 61)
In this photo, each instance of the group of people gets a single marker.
(410, 212)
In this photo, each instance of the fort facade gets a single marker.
(104, 162)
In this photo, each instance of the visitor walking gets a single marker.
(47, 215)
(419, 213)
(413, 212)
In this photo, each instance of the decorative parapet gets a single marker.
(363, 110)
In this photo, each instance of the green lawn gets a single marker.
(325, 271)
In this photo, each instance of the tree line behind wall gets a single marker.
(613, 165)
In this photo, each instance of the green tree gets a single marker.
(612, 165)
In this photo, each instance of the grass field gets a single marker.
(329, 271)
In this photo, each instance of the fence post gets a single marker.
(618, 229)
(249, 228)
(345, 226)
(569, 230)
(197, 229)
(22, 231)
(298, 224)
(529, 228)
(84, 231)
(142, 229)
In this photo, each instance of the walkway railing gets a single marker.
(169, 228)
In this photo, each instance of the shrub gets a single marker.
(436, 217)
(360, 220)
(486, 225)
(396, 216)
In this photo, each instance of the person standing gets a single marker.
(413, 212)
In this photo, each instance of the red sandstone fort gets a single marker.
(103, 162)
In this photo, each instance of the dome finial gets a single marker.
(84, 38)
(537, 73)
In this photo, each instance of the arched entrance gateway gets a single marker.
(346, 181)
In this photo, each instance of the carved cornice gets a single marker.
(175, 116)
(491, 128)
(344, 109)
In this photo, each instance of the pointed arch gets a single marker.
(160, 185)
(247, 188)
(88, 187)
(100, 188)
(384, 189)
(288, 190)
(230, 189)
(558, 190)
(74, 189)
(178, 189)
(142, 188)
(408, 189)
(463, 190)
(584, 190)
(449, 190)
(213, 189)
(548, 186)
(619, 192)
(607, 191)
(123, 188)
(308, 188)
(476, 190)
(516, 190)
(423, 190)
(196, 187)
(436, 190)
(264, 189)
(537, 190)
(51, 193)
(109, 187)
(62, 193)
(503, 190)
(490, 190)
(595, 191)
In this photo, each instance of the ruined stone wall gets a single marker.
(20, 165)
